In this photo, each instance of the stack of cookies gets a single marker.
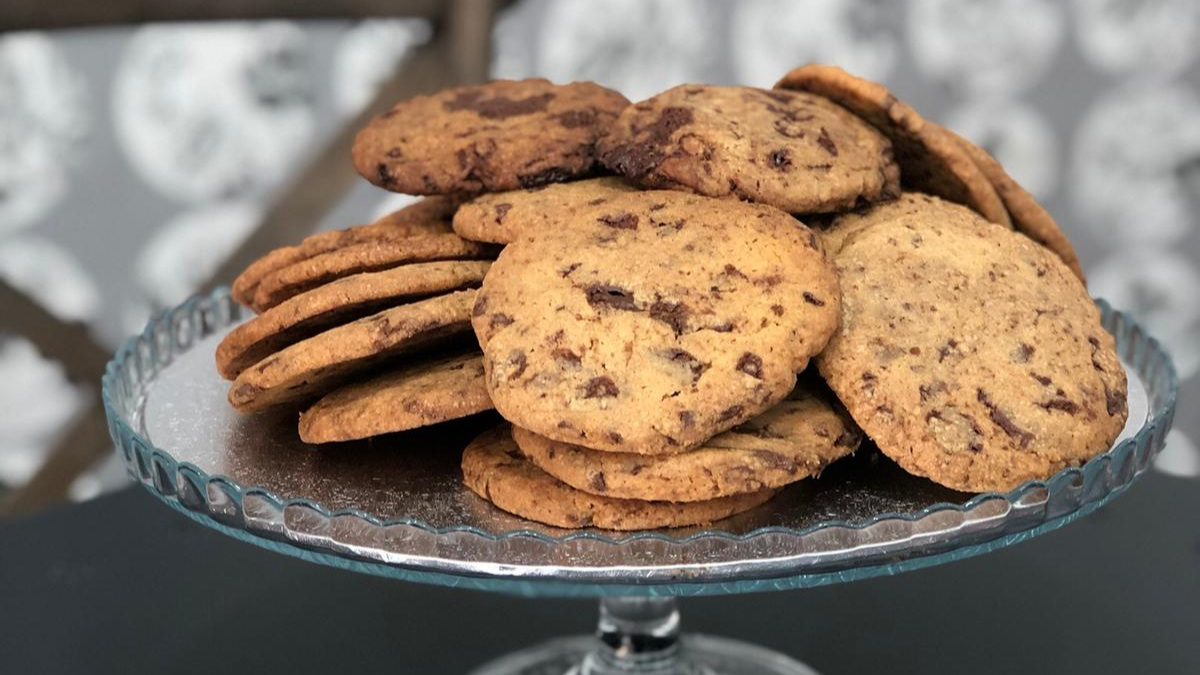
(639, 291)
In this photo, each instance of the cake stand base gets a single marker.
(641, 635)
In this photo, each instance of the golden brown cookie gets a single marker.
(368, 256)
(430, 215)
(500, 217)
(1028, 216)
(409, 397)
(503, 135)
(929, 161)
(314, 366)
(339, 302)
(494, 468)
(968, 353)
(654, 321)
(795, 151)
(792, 441)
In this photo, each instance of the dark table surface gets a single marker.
(125, 585)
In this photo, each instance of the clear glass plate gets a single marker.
(395, 506)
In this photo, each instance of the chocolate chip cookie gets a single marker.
(1028, 216)
(340, 302)
(968, 353)
(500, 217)
(369, 256)
(929, 161)
(654, 321)
(414, 396)
(795, 151)
(494, 468)
(430, 215)
(314, 366)
(503, 135)
(792, 441)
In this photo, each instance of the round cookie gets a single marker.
(494, 469)
(795, 151)
(968, 353)
(339, 302)
(430, 215)
(415, 396)
(369, 256)
(793, 440)
(500, 217)
(929, 161)
(492, 137)
(1028, 216)
(654, 321)
(316, 365)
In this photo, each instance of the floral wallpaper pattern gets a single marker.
(132, 160)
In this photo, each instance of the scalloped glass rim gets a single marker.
(175, 330)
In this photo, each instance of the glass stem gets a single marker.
(637, 635)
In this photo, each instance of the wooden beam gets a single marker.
(69, 343)
(78, 450)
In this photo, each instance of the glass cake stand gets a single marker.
(395, 506)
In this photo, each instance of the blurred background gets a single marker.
(138, 163)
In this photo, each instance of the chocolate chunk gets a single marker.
(827, 143)
(780, 159)
(1022, 353)
(553, 174)
(848, 439)
(500, 107)
(674, 314)
(620, 221)
(615, 437)
(597, 483)
(1000, 419)
(564, 354)
(689, 361)
(751, 364)
(573, 119)
(1114, 401)
(777, 310)
(600, 387)
(945, 349)
(570, 268)
(687, 418)
(480, 306)
(517, 357)
(1042, 379)
(385, 175)
(501, 211)
(732, 271)
(601, 295)
(1059, 403)
(499, 320)
(730, 413)
(812, 299)
(775, 461)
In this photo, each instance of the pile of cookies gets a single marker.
(639, 291)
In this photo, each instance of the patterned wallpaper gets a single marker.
(131, 160)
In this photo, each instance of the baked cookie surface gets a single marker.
(655, 321)
(502, 135)
(968, 353)
(373, 255)
(1028, 216)
(339, 302)
(793, 440)
(314, 366)
(929, 161)
(415, 396)
(430, 215)
(792, 150)
(500, 217)
(494, 468)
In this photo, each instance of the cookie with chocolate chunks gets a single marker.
(968, 353)
(795, 151)
(930, 161)
(654, 320)
(430, 215)
(319, 364)
(502, 135)
(409, 397)
(500, 217)
(494, 468)
(794, 440)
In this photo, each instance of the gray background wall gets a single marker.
(130, 159)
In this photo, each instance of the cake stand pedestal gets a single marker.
(395, 507)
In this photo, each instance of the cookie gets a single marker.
(503, 135)
(792, 441)
(929, 161)
(498, 218)
(654, 321)
(494, 468)
(368, 256)
(407, 398)
(1028, 216)
(339, 302)
(314, 366)
(430, 215)
(968, 353)
(795, 151)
